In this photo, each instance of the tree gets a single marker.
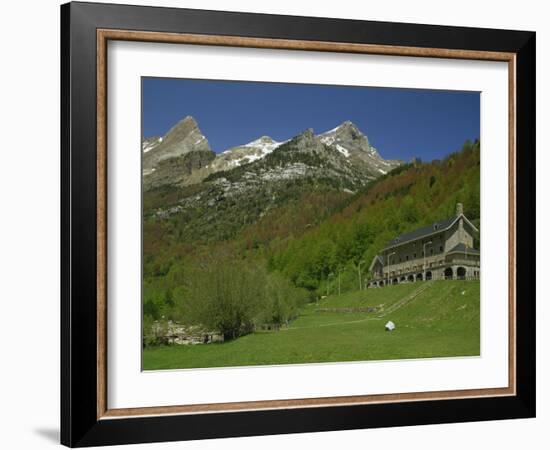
(226, 296)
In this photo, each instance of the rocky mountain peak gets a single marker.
(182, 140)
(183, 156)
(244, 154)
(181, 130)
(305, 138)
(348, 125)
(267, 138)
(345, 132)
(261, 141)
(183, 137)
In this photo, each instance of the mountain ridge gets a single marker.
(186, 148)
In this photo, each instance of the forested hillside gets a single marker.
(411, 196)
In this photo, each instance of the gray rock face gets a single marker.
(307, 156)
(183, 138)
(348, 135)
(171, 159)
(307, 142)
(351, 143)
(177, 170)
(150, 143)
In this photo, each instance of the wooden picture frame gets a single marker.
(86, 418)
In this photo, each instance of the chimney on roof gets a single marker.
(459, 209)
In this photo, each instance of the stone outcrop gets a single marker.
(177, 334)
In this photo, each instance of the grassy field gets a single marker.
(441, 321)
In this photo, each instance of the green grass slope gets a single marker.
(369, 297)
(442, 321)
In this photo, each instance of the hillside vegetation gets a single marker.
(441, 321)
(288, 243)
(407, 198)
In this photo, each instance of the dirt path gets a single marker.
(331, 324)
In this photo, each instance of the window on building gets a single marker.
(407, 257)
(440, 248)
(414, 255)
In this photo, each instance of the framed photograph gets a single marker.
(276, 224)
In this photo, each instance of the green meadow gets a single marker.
(441, 320)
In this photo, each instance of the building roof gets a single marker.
(377, 258)
(421, 232)
(461, 248)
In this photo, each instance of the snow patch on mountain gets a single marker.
(327, 140)
(265, 143)
(150, 144)
(247, 153)
(343, 150)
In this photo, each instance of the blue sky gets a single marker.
(400, 123)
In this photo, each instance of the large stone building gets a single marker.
(442, 250)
